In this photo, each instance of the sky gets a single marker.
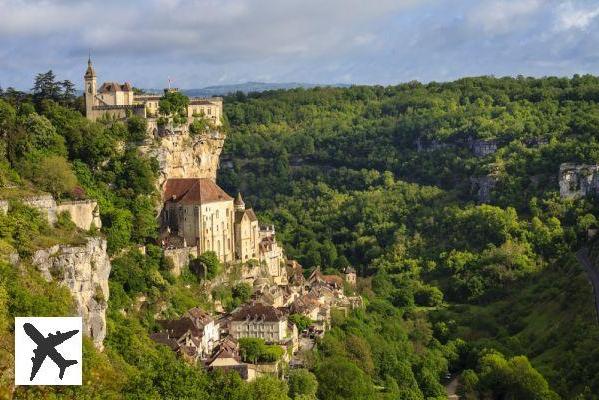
(199, 43)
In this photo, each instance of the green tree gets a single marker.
(340, 379)
(206, 265)
(51, 173)
(302, 384)
(268, 388)
(301, 321)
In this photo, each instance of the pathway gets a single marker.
(451, 389)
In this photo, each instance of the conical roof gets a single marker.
(239, 200)
(90, 73)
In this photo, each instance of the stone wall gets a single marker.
(578, 180)
(45, 204)
(84, 270)
(180, 258)
(84, 213)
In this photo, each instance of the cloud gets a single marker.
(203, 42)
(570, 16)
(499, 17)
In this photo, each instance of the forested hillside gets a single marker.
(385, 178)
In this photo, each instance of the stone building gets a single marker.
(246, 231)
(193, 336)
(271, 254)
(350, 275)
(260, 321)
(118, 100)
(200, 212)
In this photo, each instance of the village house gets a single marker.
(271, 254)
(193, 336)
(262, 321)
(227, 358)
(350, 276)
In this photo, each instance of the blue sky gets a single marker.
(209, 42)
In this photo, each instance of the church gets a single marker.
(119, 100)
(198, 213)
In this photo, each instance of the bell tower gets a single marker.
(90, 83)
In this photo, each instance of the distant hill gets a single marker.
(247, 87)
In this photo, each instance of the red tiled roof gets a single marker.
(194, 191)
(199, 316)
(333, 280)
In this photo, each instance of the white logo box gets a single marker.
(69, 351)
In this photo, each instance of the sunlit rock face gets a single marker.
(182, 155)
(578, 180)
(84, 270)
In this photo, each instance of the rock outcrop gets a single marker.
(483, 148)
(578, 180)
(84, 270)
(483, 187)
(181, 155)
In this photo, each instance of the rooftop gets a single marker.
(189, 191)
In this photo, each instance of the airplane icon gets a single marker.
(46, 347)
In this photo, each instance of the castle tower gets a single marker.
(90, 84)
(238, 203)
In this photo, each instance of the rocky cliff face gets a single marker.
(181, 155)
(84, 270)
(483, 187)
(578, 180)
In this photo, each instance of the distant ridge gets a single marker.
(247, 87)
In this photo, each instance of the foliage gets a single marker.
(301, 321)
(173, 104)
(255, 350)
(206, 265)
(302, 384)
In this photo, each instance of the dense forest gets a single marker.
(380, 178)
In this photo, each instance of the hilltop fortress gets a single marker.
(119, 100)
(196, 215)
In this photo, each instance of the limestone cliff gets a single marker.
(578, 180)
(84, 270)
(181, 155)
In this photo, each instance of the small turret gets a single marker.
(90, 73)
(90, 83)
(238, 203)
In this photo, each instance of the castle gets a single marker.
(118, 100)
(197, 215)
